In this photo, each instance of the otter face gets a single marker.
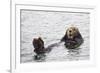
(72, 32)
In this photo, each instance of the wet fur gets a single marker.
(74, 41)
(38, 44)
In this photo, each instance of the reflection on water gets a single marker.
(73, 52)
(39, 58)
(51, 26)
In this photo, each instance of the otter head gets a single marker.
(72, 32)
(38, 43)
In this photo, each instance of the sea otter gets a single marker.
(40, 49)
(72, 38)
(38, 44)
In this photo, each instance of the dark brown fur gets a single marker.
(38, 44)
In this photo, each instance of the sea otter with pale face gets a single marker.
(72, 38)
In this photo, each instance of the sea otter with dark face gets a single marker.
(72, 38)
(38, 44)
(39, 48)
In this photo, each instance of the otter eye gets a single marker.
(69, 30)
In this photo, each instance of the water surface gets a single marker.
(51, 26)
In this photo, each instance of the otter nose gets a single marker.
(70, 35)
